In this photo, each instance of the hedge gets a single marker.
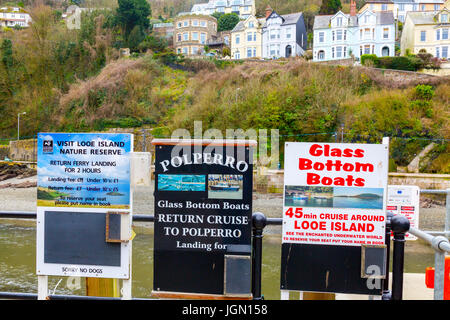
(409, 63)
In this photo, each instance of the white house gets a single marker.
(341, 35)
(14, 16)
(243, 8)
(283, 35)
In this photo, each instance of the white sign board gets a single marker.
(84, 207)
(404, 200)
(335, 193)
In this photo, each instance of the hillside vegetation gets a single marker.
(305, 101)
(74, 80)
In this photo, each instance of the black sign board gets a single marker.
(203, 208)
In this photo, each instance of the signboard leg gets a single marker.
(126, 283)
(318, 296)
(284, 295)
(42, 287)
(126, 289)
(98, 287)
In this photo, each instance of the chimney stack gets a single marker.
(268, 11)
(352, 8)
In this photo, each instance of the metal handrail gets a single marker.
(441, 246)
(136, 217)
(439, 243)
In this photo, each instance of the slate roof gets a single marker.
(241, 24)
(239, 27)
(383, 18)
(404, 1)
(288, 19)
(322, 22)
(422, 17)
(291, 18)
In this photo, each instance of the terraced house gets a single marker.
(246, 38)
(401, 7)
(283, 36)
(341, 36)
(427, 32)
(192, 32)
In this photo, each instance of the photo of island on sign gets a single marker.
(334, 197)
(225, 186)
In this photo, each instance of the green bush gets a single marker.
(369, 60)
(410, 63)
(118, 123)
(424, 92)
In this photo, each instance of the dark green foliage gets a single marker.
(400, 63)
(154, 43)
(125, 122)
(227, 21)
(330, 6)
(408, 63)
(217, 15)
(131, 13)
(7, 53)
(369, 59)
(135, 37)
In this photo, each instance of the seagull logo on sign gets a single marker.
(47, 146)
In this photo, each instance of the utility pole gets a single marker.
(18, 124)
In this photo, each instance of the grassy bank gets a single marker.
(304, 101)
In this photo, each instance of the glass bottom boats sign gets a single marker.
(334, 194)
(333, 233)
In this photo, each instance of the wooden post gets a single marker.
(98, 287)
(318, 296)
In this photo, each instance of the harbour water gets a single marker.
(18, 255)
(18, 246)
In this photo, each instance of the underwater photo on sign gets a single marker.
(181, 182)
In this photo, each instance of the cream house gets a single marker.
(427, 32)
(401, 7)
(192, 32)
(378, 5)
(246, 38)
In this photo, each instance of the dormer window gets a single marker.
(444, 17)
(339, 21)
(251, 24)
